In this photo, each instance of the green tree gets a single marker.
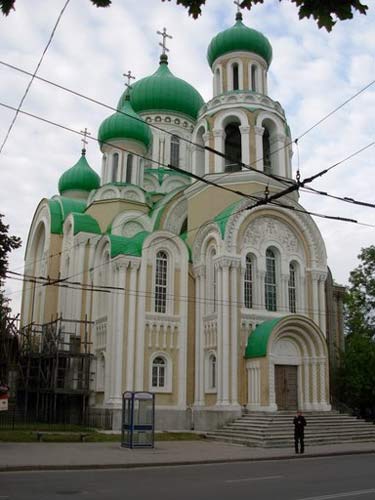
(325, 12)
(360, 298)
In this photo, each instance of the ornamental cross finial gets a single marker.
(85, 134)
(130, 77)
(165, 35)
(238, 3)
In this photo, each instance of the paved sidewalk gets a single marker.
(54, 456)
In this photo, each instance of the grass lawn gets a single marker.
(73, 435)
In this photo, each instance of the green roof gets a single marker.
(127, 246)
(222, 218)
(80, 177)
(85, 223)
(258, 339)
(161, 172)
(60, 207)
(163, 91)
(239, 38)
(125, 124)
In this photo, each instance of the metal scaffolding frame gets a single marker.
(54, 370)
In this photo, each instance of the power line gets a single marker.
(33, 75)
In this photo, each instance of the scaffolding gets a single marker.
(9, 349)
(54, 372)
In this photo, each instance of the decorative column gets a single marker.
(220, 355)
(140, 332)
(199, 272)
(306, 378)
(235, 300)
(301, 295)
(245, 144)
(271, 385)
(278, 152)
(206, 139)
(259, 148)
(314, 376)
(261, 293)
(315, 296)
(225, 330)
(130, 351)
(219, 146)
(322, 377)
(322, 303)
(284, 293)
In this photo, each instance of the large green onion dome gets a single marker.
(163, 91)
(239, 38)
(80, 177)
(125, 124)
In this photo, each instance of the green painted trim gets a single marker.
(127, 246)
(85, 223)
(56, 217)
(222, 218)
(257, 341)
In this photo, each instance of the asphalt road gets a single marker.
(346, 477)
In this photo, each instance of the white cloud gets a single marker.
(312, 72)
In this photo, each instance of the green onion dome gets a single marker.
(239, 38)
(81, 177)
(163, 91)
(125, 124)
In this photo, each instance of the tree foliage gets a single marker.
(325, 12)
(360, 298)
(7, 244)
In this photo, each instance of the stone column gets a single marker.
(219, 136)
(271, 385)
(206, 138)
(315, 296)
(261, 293)
(245, 144)
(314, 376)
(322, 303)
(278, 153)
(199, 337)
(220, 355)
(235, 300)
(284, 293)
(225, 330)
(259, 148)
(130, 351)
(301, 295)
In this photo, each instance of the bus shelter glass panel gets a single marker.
(138, 419)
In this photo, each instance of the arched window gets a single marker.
(212, 372)
(161, 270)
(270, 281)
(159, 372)
(235, 76)
(115, 159)
(254, 74)
(129, 168)
(175, 151)
(267, 152)
(248, 282)
(232, 148)
(292, 287)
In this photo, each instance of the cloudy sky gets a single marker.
(312, 73)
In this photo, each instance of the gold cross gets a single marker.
(165, 35)
(85, 133)
(129, 76)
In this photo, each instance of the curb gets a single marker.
(29, 468)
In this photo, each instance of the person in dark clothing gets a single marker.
(299, 431)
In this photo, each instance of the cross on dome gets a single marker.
(130, 77)
(85, 134)
(165, 35)
(239, 13)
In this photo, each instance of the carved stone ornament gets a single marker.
(131, 228)
(176, 217)
(267, 228)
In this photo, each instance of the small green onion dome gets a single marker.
(80, 177)
(125, 124)
(239, 38)
(163, 91)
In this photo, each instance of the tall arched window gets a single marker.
(212, 371)
(267, 152)
(292, 287)
(159, 372)
(235, 76)
(129, 168)
(254, 74)
(175, 151)
(161, 270)
(248, 282)
(115, 159)
(270, 281)
(232, 147)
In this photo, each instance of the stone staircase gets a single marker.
(276, 430)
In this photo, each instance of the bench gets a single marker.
(82, 435)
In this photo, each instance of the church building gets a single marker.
(193, 291)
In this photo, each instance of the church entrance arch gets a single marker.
(286, 387)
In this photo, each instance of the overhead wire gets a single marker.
(33, 76)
